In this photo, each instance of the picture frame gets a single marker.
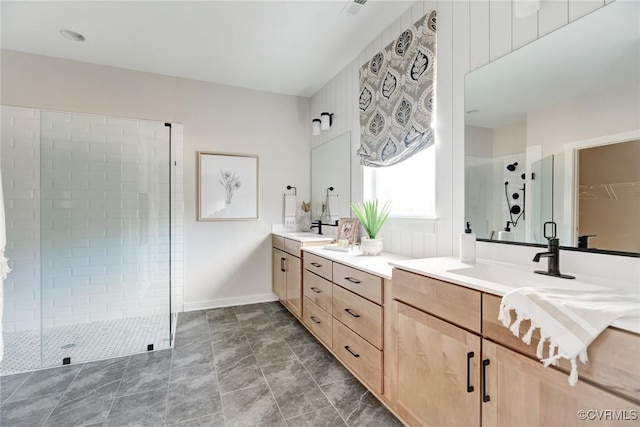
(348, 230)
(228, 186)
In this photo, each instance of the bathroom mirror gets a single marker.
(528, 117)
(331, 179)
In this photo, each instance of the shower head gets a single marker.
(512, 166)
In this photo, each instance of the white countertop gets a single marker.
(377, 265)
(499, 278)
(303, 236)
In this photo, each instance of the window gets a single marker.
(410, 185)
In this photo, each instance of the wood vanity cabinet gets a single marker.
(342, 308)
(447, 363)
(287, 272)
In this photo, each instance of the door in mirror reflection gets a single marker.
(609, 197)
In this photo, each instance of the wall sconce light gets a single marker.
(315, 127)
(326, 120)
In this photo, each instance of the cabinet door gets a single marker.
(522, 392)
(278, 273)
(293, 283)
(438, 375)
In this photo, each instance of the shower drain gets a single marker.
(67, 346)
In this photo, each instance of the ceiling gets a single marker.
(288, 47)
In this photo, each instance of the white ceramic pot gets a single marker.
(371, 246)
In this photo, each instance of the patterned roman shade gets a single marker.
(397, 88)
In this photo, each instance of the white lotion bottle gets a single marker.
(505, 235)
(468, 246)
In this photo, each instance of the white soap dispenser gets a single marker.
(468, 246)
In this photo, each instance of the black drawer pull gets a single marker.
(346, 347)
(315, 320)
(469, 357)
(348, 310)
(316, 290)
(485, 396)
(315, 264)
(282, 260)
(352, 280)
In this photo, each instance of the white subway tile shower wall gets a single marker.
(105, 218)
(20, 164)
(97, 257)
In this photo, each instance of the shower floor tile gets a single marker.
(24, 350)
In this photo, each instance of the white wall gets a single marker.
(225, 262)
(471, 33)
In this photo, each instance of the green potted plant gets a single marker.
(372, 217)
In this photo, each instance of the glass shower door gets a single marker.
(105, 236)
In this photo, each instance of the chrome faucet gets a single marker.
(553, 262)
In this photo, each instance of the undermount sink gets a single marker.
(514, 276)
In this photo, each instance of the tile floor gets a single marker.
(28, 350)
(237, 366)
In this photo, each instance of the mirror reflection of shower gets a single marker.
(512, 196)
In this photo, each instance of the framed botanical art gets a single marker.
(348, 230)
(228, 186)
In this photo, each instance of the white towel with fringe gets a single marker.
(290, 208)
(568, 319)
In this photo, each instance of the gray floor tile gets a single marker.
(295, 334)
(225, 332)
(323, 367)
(244, 373)
(326, 417)
(140, 410)
(271, 348)
(227, 354)
(251, 407)
(96, 378)
(219, 316)
(192, 325)
(193, 393)
(251, 308)
(90, 395)
(28, 413)
(358, 406)
(48, 381)
(10, 383)
(146, 371)
(215, 420)
(294, 390)
(90, 409)
(198, 353)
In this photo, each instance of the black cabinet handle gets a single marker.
(348, 310)
(316, 290)
(315, 320)
(485, 396)
(352, 280)
(315, 264)
(282, 260)
(469, 357)
(346, 347)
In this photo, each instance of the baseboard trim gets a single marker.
(226, 302)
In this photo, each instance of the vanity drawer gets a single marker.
(359, 282)
(453, 303)
(318, 321)
(612, 356)
(360, 315)
(320, 266)
(364, 359)
(293, 247)
(318, 290)
(277, 242)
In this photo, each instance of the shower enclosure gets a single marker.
(89, 237)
